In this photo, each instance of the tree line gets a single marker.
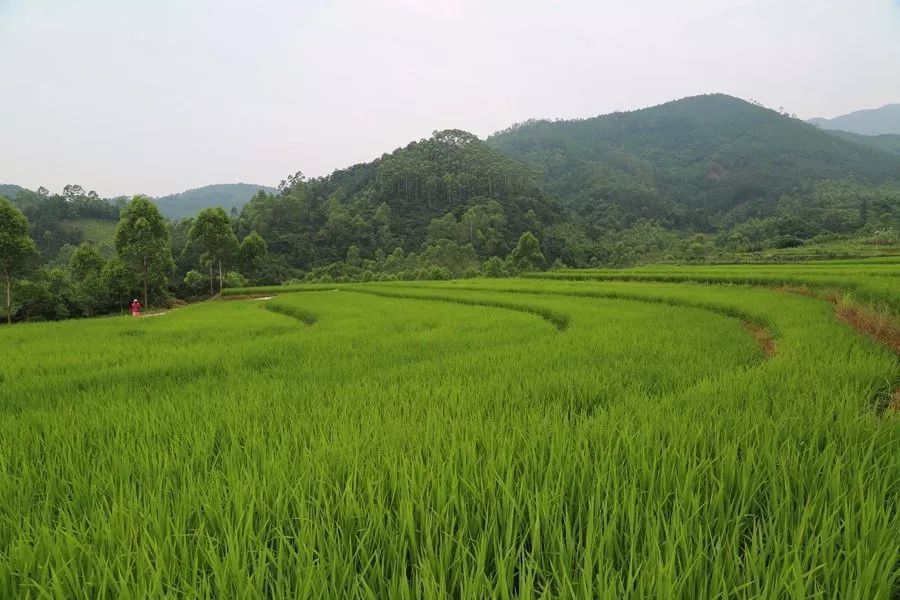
(150, 255)
(88, 279)
(447, 206)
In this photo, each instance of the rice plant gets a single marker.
(564, 437)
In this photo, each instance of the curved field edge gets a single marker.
(289, 310)
(758, 327)
(555, 318)
(865, 294)
(727, 300)
(880, 289)
(754, 319)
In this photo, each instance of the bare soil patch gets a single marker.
(762, 336)
(877, 325)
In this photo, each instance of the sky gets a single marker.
(127, 97)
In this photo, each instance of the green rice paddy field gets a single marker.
(670, 432)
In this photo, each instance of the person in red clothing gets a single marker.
(135, 308)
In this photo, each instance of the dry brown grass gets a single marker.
(894, 404)
(881, 326)
(794, 289)
(763, 337)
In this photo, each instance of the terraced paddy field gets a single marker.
(667, 433)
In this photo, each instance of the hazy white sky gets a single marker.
(127, 96)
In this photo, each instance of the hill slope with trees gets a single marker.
(191, 202)
(11, 191)
(887, 142)
(700, 179)
(450, 200)
(873, 121)
(703, 163)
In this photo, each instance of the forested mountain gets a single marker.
(888, 142)
(59, 220)
(448, 194)
(226, 195)
(704, 178)
(874, 121)
(10, 191)
(703, 163)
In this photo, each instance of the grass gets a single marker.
(451, 439)
(875, 280)
(94, 230)
(838, 249)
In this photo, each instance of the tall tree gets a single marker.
(86, 271)
(142, 241)
(251, 252)
(527, 255)
(17, 249)
(212, 230)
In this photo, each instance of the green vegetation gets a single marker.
(229, 196)
(99, 232)
(8, 190)
(847, 248)
(566, 436)
(871, 280)
(889, 142)
(872, 121)
(68, 219)
(17, 249)
(704, 164)
(708, 179)
(142, 242)
(212, 231)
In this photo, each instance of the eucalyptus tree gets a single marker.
(17, 249)
(142, 242)
(212, 230)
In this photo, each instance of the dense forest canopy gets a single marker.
(55, 219)
(701, 163)
(887, 142)
(451, 186)
(702, 178)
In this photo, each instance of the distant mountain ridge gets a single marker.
(703, 163)
(699, 162)
(184, 204)
(9, 190)
(873, 121)
(889, 142)
(191, 202)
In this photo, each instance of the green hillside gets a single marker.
(888, 142)
(702, 162)
(700, 177)
(226, 195)
(872, 121)
(96, 231)
(11, 191)
(451, 187)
